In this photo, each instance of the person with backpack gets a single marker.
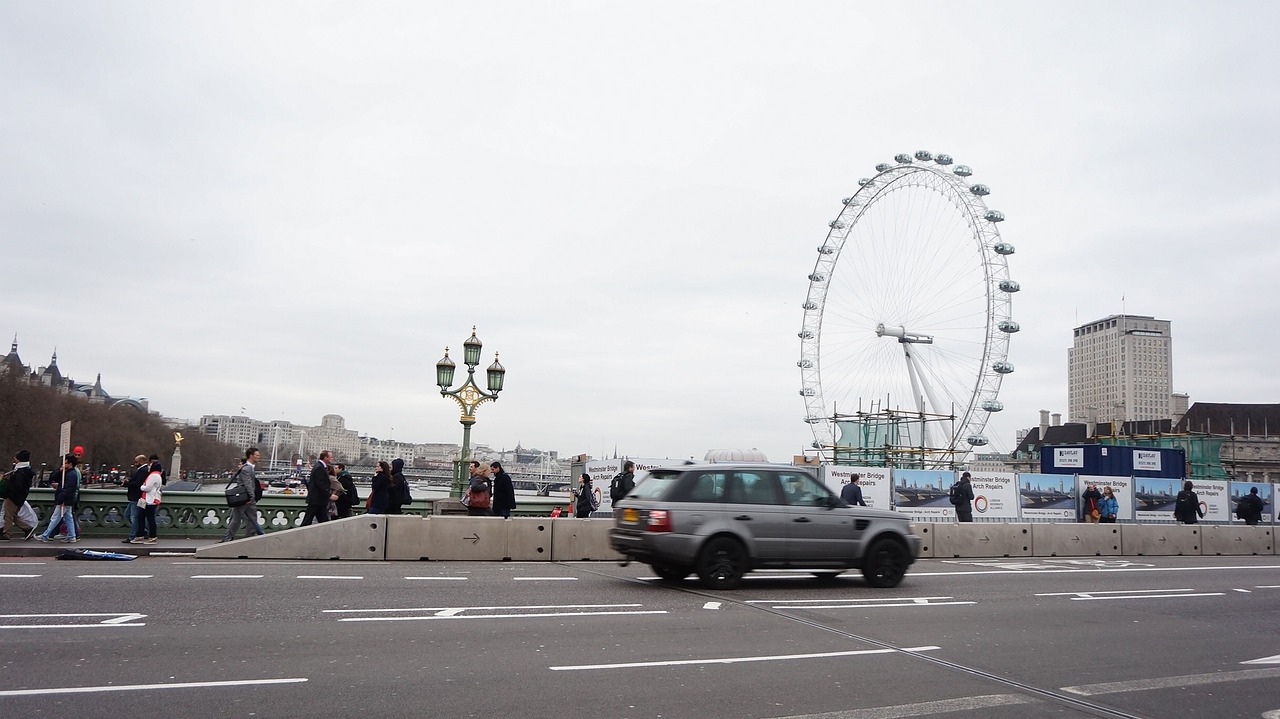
(349, 497)
(623, 483)
(1186, 508)
(585, 501)
(399, 494)
(65, 496)
(1249, 508)
(15, 497)
(962, 498)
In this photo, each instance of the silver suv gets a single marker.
(723, 520)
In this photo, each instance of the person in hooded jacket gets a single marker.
(582, 497)
(504, 492)
(64, 501)
(16, 496)
(399, 494)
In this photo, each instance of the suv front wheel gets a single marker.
(885, 563)
(722, 563)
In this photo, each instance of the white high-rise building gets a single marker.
(1120, 369)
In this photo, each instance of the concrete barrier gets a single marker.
(529, 539)
(362, 537)
(481, 539)
(925, 532)
(407, 537)
(982, 540)
(1160, 539)
(1075, 540)
(1237, 539)
(575, 539)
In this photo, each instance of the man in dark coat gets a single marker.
(963, 499)
(851, 493)
(349, 497)
(319, 491)
(19, 487)
(622, 484)
(504, 492)
(1250, 507)
(132, 493)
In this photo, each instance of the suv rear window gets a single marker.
(655, 484)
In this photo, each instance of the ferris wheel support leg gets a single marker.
(919, 381)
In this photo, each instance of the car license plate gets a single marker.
(630, 515)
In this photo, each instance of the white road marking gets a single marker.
(17, 576)
(144, 687)
(738, 660)
(1271, 714)
(905, 603)
(226, 576)
(1268, 586)
(1137, 685)
(438, 609)
(924, 709)
(1242, 591)
(545, 579)
(1265, 660)
(454, 579)
(117, 619)
(1110, 591)
(711, 605)
(114, 576)
(499, 616)
(328, 576)
(1149, 596)
(859, 599)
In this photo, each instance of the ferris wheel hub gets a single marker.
(903, 335)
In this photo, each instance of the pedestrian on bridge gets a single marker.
(380, 491)
(248, 512)
(851, 493)
(1186, 508)
(15, 496)
(319, 493)
(504, 492)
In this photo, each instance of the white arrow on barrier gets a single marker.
(1265, 660)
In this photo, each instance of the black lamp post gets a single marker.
(469, 396)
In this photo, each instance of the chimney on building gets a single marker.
(1057, 419)
(1044, 424)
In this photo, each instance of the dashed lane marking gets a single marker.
(738, 660)
(545, 579)
(227, 576)
(860, 603)
(1132, 594)
(493, 612)
(114, 576)
(1138, 685)
(145, 687)
(446, 579)
(18, 576)
(711, 605)
(328, 576)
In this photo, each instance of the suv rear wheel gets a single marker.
(885, 563)
(722, 563)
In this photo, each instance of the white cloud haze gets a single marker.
(294, 207)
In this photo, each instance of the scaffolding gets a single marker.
(893, 438)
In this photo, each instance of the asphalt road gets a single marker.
(1163, 637)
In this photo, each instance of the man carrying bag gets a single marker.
(242, 493)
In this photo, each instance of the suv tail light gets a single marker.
(659, 521)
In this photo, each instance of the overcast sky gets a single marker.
(292, 208)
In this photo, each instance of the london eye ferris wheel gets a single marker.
(909, 305)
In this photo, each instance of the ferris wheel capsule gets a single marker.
(942, 159)
(976, 440)
(980, 190)
(903, 159)
(1009, 286)
(1002, 367)
(993, 405)
(1002, 248)
(924, 155)
(994, 216)
(1008, 326)
(963, 170)
(864, 181)
(883, 166)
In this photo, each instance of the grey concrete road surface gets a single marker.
(1162, 637)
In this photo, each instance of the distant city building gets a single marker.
(52, 377)
(1120, 369)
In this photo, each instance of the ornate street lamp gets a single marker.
(469, 396)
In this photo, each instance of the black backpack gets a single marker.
(1241, 512)
(616, 489)
(1184, 506)
(957, 494)
(406, 497)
